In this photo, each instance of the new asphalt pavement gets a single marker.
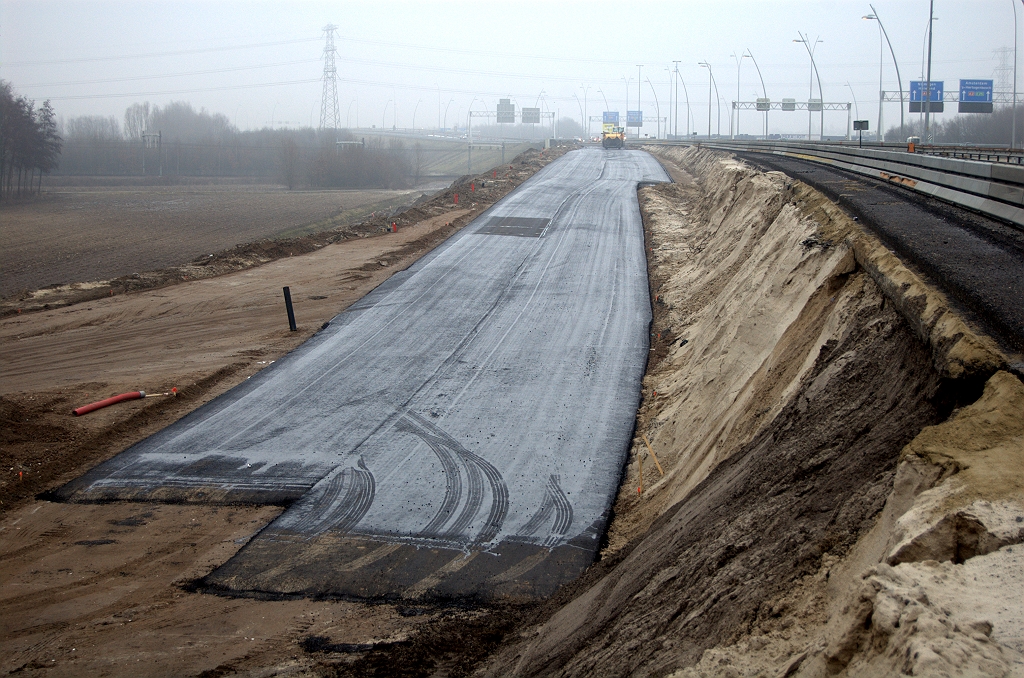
(459, 432)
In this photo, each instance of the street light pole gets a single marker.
(1013, 108)
(418, 102)
(874, 15)
(586, 88)
(627, 103)
(711, 81)
(675, 131)
(438, 106)
(469, 128)
(855, 106)
(739, 62)
(639, 84)
(657, 106)
(763, 89)
(582, 114)
(444, 125)
(814, 74)
(384, 114)
(668, 123)
(928, 82)
(689, 111)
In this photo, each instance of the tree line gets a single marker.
(30, 144)
(982, 129)
(179, 141)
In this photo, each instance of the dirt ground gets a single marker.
(79, 234)
(782, 387)
(104, 589)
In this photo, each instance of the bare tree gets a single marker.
(136, 121)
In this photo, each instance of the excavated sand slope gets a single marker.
(837, 499)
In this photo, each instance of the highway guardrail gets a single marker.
(993, 189)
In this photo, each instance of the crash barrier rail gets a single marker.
(993, 189)
(1000, 155)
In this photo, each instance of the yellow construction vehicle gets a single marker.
(612, 136)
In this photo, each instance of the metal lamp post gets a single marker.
(675, 130)
(582, 114)
(444, 125)
(439, 128)
(627, 102)
(585, 88)
(814, 74)
(739, 62)
(639, 84)
(855, 106)
(928, 84)
(689, 110)
(668, 123)
(657, 106)
(711, 81)
(763, 89)
(874, 16)
(1013, 108)
(469, 128)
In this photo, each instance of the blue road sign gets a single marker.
(975, 96)
(610, 118)
(634, 118)
(917, 88)
(976, 90)
(918, 100)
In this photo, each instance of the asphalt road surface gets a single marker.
(459, 432)
(976, 260)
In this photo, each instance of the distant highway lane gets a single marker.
(459, 432)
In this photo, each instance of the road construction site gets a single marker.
(824, 476)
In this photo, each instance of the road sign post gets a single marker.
(859, 126)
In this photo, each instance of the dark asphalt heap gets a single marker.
(458, 432)
(978, 261)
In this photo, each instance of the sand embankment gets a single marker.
(843, 488)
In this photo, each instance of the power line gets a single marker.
(168, 75)
(193, 90)
(148, 55)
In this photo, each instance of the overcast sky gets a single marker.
(260, 63)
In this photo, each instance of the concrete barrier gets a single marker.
(996, 190)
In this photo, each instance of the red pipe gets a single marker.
(86, 409)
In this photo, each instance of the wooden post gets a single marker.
(640, 462)
(653, 456)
